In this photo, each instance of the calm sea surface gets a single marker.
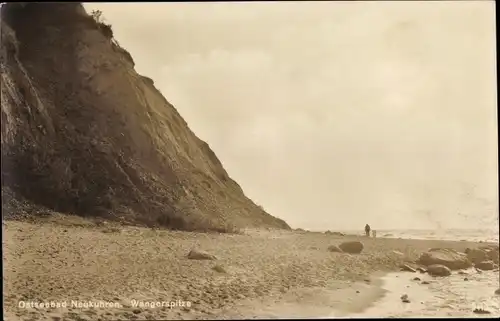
(485, 235)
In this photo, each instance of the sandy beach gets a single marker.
(136, 273)
(187, 140)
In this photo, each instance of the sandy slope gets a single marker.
(66, 258)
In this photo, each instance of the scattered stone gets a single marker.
(405, 299)
(218, 268)
(335, 233)
(200, 255)
(438, 270)
(446, 257)
(357, 291)
(136, 311)
(407, 268)
(335, 248)
(481, 311)
(425, 282)
(486, 266)
(416, 279)
(466, 279)
(497, 291)
(398, 253)
(352, 247)
(463, 273)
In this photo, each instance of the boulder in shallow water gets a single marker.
(438, 270)
(486, 265)
(352, 247)
(476, 255)
(335, 248)
(450, 258)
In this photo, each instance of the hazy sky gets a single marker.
(334, 114)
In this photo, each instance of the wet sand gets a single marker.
(266, 273)
(442, 297)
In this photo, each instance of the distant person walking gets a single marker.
(367, 230)
(374, 234)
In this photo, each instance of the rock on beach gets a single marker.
(352, 247)
(450, 258)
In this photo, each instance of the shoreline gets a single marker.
(63, 257)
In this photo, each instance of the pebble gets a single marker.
(481, 311)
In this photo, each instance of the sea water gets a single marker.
(457, 295)
(473, 235)
(443, 297)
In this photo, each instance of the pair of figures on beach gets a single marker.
(368, 229)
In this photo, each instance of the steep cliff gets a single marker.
(83, 133)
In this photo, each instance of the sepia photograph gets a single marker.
(234, 160)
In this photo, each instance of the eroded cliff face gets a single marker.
(83, 133)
